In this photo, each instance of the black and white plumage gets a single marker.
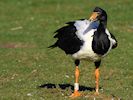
(86, 39)
(83, 39)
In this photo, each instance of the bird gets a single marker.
(86, 39)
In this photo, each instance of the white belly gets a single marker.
(86, 51)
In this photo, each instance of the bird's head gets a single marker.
(98, 14)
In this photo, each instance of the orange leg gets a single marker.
(76, 85)
(97, 80)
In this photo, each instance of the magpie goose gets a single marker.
(86, 39)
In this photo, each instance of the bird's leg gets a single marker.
(97, 80)
(76, 84)
(97, 75)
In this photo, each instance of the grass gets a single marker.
(26, 30)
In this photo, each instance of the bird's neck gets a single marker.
(102, 26)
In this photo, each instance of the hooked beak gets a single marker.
(94, 16)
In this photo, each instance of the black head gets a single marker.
(99, 14)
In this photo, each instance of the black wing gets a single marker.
(113, 37)
(100, 43)
(67, 40)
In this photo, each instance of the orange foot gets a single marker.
(75, 94)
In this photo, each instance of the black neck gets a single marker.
(102, 25)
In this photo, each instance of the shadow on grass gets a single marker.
(81, 88)
(65, 86)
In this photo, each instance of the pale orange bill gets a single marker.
(94, 16)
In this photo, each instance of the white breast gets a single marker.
(85, 32)
(86, 51)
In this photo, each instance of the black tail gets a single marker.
(53, 46)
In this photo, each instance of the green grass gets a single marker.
(26, 30)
